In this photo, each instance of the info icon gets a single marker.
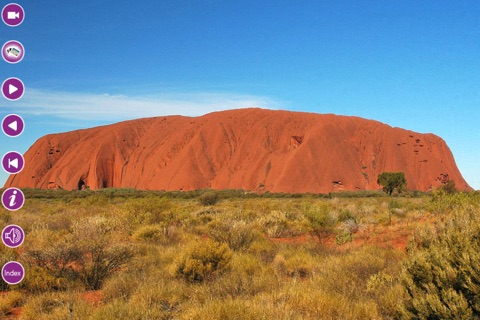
(13, 51)
(13, 14)
(13, 162)
(13, 199)
(13, 236)
(13, 89)
(13, 125)
(13, 272)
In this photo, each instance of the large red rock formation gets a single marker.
(250, 149)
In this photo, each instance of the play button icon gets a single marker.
(13, 125)
(13, 89)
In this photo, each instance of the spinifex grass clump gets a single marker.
(204, 261)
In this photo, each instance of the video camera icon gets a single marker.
(13, 14)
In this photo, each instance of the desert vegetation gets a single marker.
(127, 254)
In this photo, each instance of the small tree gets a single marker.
(391, 181)
(449, 187)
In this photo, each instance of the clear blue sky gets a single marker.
(412, 64)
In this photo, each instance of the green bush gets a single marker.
(343, 236)
(321, 221)
(208, 198)
(204, 261)
(442, 274)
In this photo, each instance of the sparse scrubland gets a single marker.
(125, 254)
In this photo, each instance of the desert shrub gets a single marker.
(237, 234)
(51, 254)
(89, 253)
(209, 198)
(449, 187)
(100, 260)
(345, 231)
(351, 225)
(386, 290)
(321, 221)
(39, 279)
(247, 277)
(203, 261)
(345, 214)
(442, 275)
(149, 210)
(159, 233)
(343, 235)
(276, 224)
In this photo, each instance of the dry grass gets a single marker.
(271, 263)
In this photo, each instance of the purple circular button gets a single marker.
(13, 236)
(13, 14)
(13, 162)
(13, 199)
(13, 125)
(13, 272)
(13, 89)
(13, 51)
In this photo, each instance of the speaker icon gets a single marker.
(13, 236)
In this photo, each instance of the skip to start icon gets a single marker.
(13, 162)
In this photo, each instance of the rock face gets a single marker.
(250, 149)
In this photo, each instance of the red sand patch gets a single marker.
(93, 297)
